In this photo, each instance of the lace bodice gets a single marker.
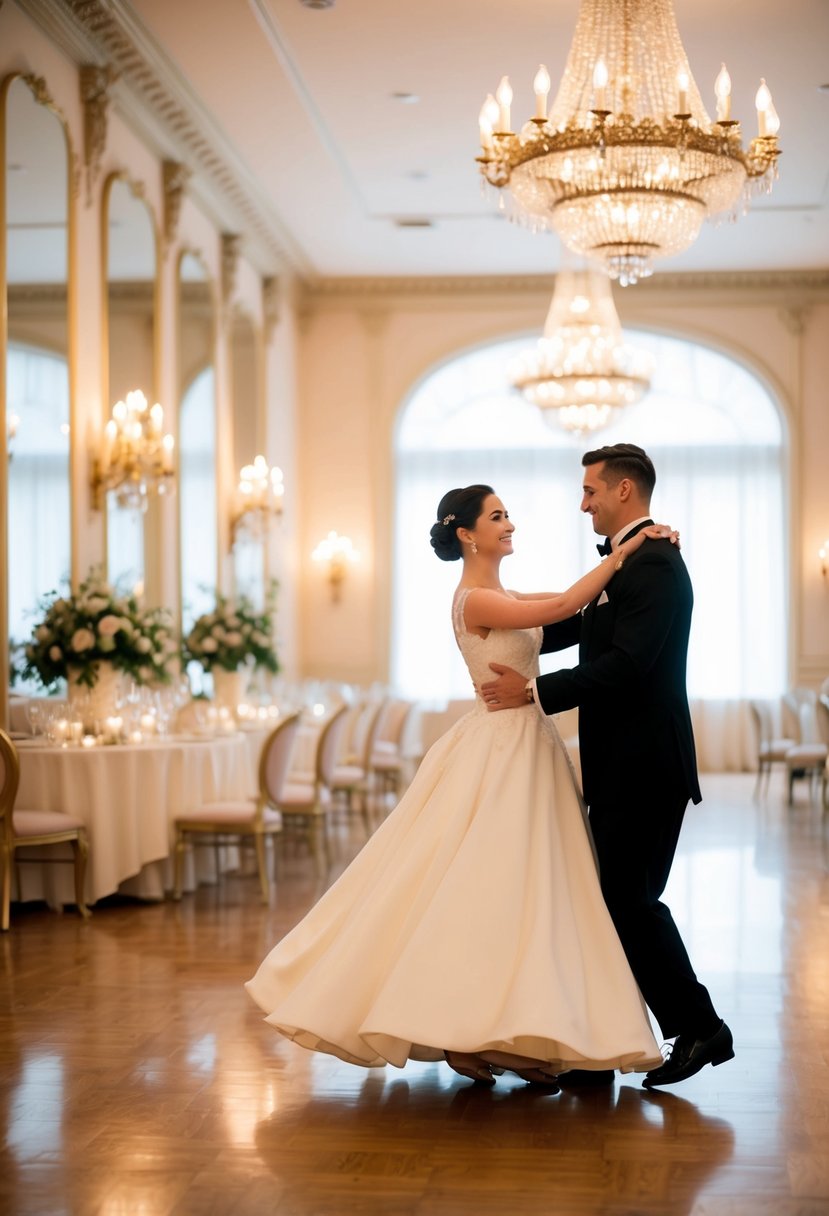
(516, 648)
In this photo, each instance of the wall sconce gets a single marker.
(823, 554)
(259, 497)
(11, 430)
(136, 458)
(338, 552)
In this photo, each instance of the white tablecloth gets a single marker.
(128, 798)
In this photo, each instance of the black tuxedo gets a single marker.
(638, 761)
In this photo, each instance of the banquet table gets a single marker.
(128, 796)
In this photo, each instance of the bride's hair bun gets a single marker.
(457, 509)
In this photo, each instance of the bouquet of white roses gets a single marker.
(79, 631)
(234, 635)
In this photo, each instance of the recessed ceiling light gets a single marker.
(16, 168)
(414, 223)
(406, 99)
(417, 175)
(317, 3)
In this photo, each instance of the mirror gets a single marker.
(248, 441)
(37, 406)
(197, 448)
(129, 346)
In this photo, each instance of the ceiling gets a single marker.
(306, 101)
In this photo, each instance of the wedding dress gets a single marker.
(472, 920)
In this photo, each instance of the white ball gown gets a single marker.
(472, 920)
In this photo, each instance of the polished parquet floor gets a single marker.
(138, 1079)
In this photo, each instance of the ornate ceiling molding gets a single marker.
(156, 99)
(755, 286)
(175, 177)
(94, 82)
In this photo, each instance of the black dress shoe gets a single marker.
(689, 1055)
(585, 1078)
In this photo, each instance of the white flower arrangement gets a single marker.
(79, 631)
(234, 635)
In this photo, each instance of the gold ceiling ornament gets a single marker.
(581, 372)
(136, 457)
(627, 164)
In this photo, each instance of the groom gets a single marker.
(637, 751)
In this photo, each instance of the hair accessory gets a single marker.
(447, 519)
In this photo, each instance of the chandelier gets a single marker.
(581, 372)
(259, 497)
(136, 457)
(627, 163)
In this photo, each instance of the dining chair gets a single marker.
(246, 822)
(24, 829)
(807, 760)
(389, 758)
(771, 749)
(354, 780)
(306, 799)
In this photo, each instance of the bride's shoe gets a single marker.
(537, 1076)
(470, 1066)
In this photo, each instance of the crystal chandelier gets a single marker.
(136, 456)
(258, 499)
(628, 163)
(581, 372)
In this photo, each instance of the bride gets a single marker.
(471, 926)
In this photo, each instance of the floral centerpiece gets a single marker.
(85, 634)
(233, 636)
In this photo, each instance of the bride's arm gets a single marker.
(486, 609)
(534, 595)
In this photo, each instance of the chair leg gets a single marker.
(262, 866)
(5, 896)
(319, 842)
(80, 847)
(179, 863)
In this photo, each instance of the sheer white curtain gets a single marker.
(197, 490)
(38, 481)
(716, 439)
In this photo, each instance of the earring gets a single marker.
(474, 547)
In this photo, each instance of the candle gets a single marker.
(167, 445)
(147, 723)
(600, 85)
(762, 101)
(722, 89)
(76, 731)
(682, 82)
(61, 729)
(135, 736)
(89, 741)
(541, 88)
(112, 729)
(485, 128)
(503, 96)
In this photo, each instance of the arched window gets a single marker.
(39, 509)
(716, 438)
(197, 492)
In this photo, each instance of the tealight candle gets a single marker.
(88, 741)
(61, 729)
(76, 731)
(112, 729)
(135, 736)
(147, 722)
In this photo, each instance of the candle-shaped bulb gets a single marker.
(772, 119)
(503, 96)
(600, 85)
(485, 127)
(682, 82)
(492, 110)
(722, 89)
(541, 88)
(156, 418)
(762, 101)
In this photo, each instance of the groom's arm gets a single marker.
(644, 618)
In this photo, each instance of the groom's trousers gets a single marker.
(635, 846)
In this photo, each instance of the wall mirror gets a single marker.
(197, 447)
(246, 396)
(129, 252)
(37, 406)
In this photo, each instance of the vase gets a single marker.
(94, 705)
(229, 687)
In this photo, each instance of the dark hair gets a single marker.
(457, 509)
(624, 460)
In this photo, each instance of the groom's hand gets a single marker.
(509, 691)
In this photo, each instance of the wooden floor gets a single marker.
(137, 1077)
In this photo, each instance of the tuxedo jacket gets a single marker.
(635, 736)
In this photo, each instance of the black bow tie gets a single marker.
(606, 548)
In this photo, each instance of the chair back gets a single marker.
(275, 760)
(761, 718)
(822, 710)
(374, 726)
(799, 714)
(9, 781)
(328, 747)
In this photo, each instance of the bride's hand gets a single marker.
(652, 532)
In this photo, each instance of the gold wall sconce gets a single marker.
(136, 457)
(339, 553)
(259, 496)
(823, 554)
